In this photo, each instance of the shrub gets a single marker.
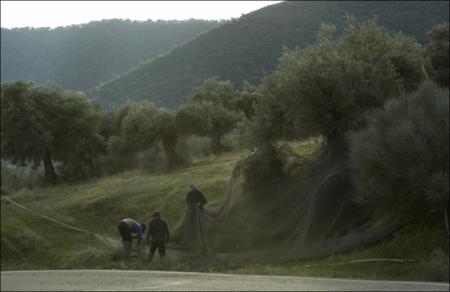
(261, 169)
(14, 177)
(150, 160)
(401, 160)
(198, 146)
(438, 52)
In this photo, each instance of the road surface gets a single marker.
(97, 280)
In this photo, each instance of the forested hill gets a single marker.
(80, 56)
(249, 47)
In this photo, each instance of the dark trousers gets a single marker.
(124, 231)
(159, 245)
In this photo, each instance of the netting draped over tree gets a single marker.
(313, 214)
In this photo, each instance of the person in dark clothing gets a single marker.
(194, 196)
(193, 237)
(159, 232)
(126, 228)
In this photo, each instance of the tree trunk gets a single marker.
(50, 174)
(216, 146)
(170, 146)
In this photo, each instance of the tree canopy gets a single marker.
(46, 123)
(210, 112)
(326, 89)
(438, 51)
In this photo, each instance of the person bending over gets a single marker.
(127, 227)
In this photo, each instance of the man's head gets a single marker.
(143, 228)
(156, 213)
(192, 187)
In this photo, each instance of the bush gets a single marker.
(74, 170)
(198, 146)
(232, 140)
(150, 160)
(261, 169)
(118, 159)
(14, 177)
(401, 160)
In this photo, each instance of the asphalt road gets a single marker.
(98, 280)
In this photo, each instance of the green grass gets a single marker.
(98, 204)
(427, 246)
(29, 242)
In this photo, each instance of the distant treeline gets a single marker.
(78, 57)
(248, 48)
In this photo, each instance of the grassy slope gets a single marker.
(32, 243)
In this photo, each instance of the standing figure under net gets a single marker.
(193, 237)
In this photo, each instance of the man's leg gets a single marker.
(162, 249)
(126, 239)
(153, 247)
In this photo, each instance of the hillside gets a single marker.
(80, 56)
(248, 48)
(31, 242)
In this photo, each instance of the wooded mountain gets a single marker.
(248, 48)
(80, 56)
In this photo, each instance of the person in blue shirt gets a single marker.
(126, 228)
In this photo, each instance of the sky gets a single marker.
(61, 13)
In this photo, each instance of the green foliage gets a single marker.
(215, 91)
(138, 132)
(198, 146)
(261, 169)
(326, 89)
(138, 127)
(438, 51)
(80, 56)
(21, 137)
(209, 112)
(247, 99)
(14, 177)
(106, 127)
(117, 158)
(248, 48)
(46, 123)
(401, 161)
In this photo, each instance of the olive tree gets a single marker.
(438, 52)
(209, 112)
(46, 123)
(327, 88)
(207, 119)
(144, 125)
